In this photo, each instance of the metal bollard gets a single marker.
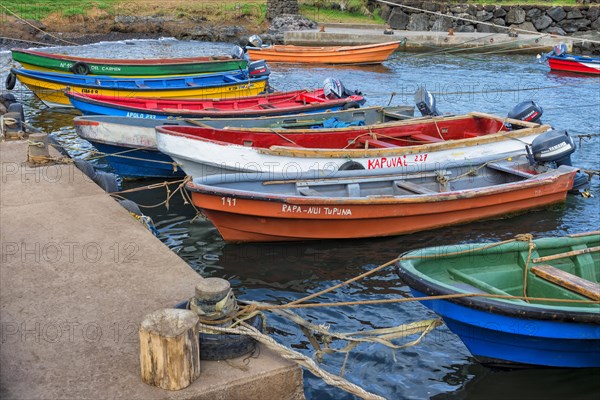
(37, 152)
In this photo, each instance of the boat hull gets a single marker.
(575, 64)
(135, 142)
(52, 91)
(367, 54)
(241, 218)
(40, 61)
(265, 105)
(139, 163)
(499, 339)
(203, 158)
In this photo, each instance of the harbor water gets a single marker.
(440, 367)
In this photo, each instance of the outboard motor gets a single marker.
(426, 103)
(255, 41)
(333, 88)
(555, 147)
(238, 53)
(528, 111)
(258, 68)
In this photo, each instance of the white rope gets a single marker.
(294, 356)
(389, 3)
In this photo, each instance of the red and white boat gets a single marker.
(421, 144)
(572, 63)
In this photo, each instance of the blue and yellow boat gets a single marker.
(50, 87)
(520, 302)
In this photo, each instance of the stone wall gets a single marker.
(279, 7)
(557, 20)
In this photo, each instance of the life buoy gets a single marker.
(11, 81)
(350, 104)
(351, 166)
(80, 68)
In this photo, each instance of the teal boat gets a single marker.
(545, 311)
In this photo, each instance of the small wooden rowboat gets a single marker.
(265, 207)
(366, 54)
(41, 61)
(572, 63)
(50, 87)
(279, 103)
(137, 137)
(555, 332)
(408, 146)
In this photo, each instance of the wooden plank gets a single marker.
(508, 169)
(504, 119)
(427, 138)
(359, 179)
(567, 254)
(305, 191)
(413, 187)
(567, 280)
(479, 284)
(368, 142)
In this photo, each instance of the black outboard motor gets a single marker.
(552, 146)
(258, 68)
(528, 111)
(426, 103)
(555, 147)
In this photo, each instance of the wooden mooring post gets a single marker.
(169, 348)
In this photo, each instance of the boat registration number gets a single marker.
(395, 162)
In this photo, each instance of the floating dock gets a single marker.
(77, 276)
(356, 35)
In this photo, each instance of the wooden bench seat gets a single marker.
(413, 187)
(427, 138)
(568, 281)
(369, 142)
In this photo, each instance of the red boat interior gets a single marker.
(363, 137)
(275, 100)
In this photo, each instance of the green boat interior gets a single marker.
(558, 268)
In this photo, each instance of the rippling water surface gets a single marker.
(440, 367)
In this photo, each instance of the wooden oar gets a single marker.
(566, 254)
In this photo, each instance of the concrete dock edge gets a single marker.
(77, 275)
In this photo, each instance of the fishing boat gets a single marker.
(408, 145)
(43, 61)
(135, 138)
(50, 87)
(573, 63)
(544, 309)
(560, 60)
(278, 103)
(365, 54)
(265, 207)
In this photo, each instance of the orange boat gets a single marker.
(358, 204)
(366, 54)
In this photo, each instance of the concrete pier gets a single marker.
(77, 275)
(354, 35)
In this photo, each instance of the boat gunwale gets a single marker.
(221, 113)
(132, 62)
(543, 179)
(364, 153)
(18, 72)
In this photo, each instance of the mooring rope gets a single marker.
(35, 27)
(294, 356)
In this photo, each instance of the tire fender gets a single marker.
(80, 68)
(11, 81)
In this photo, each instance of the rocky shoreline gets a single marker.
(577, 21)
(580, 22)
